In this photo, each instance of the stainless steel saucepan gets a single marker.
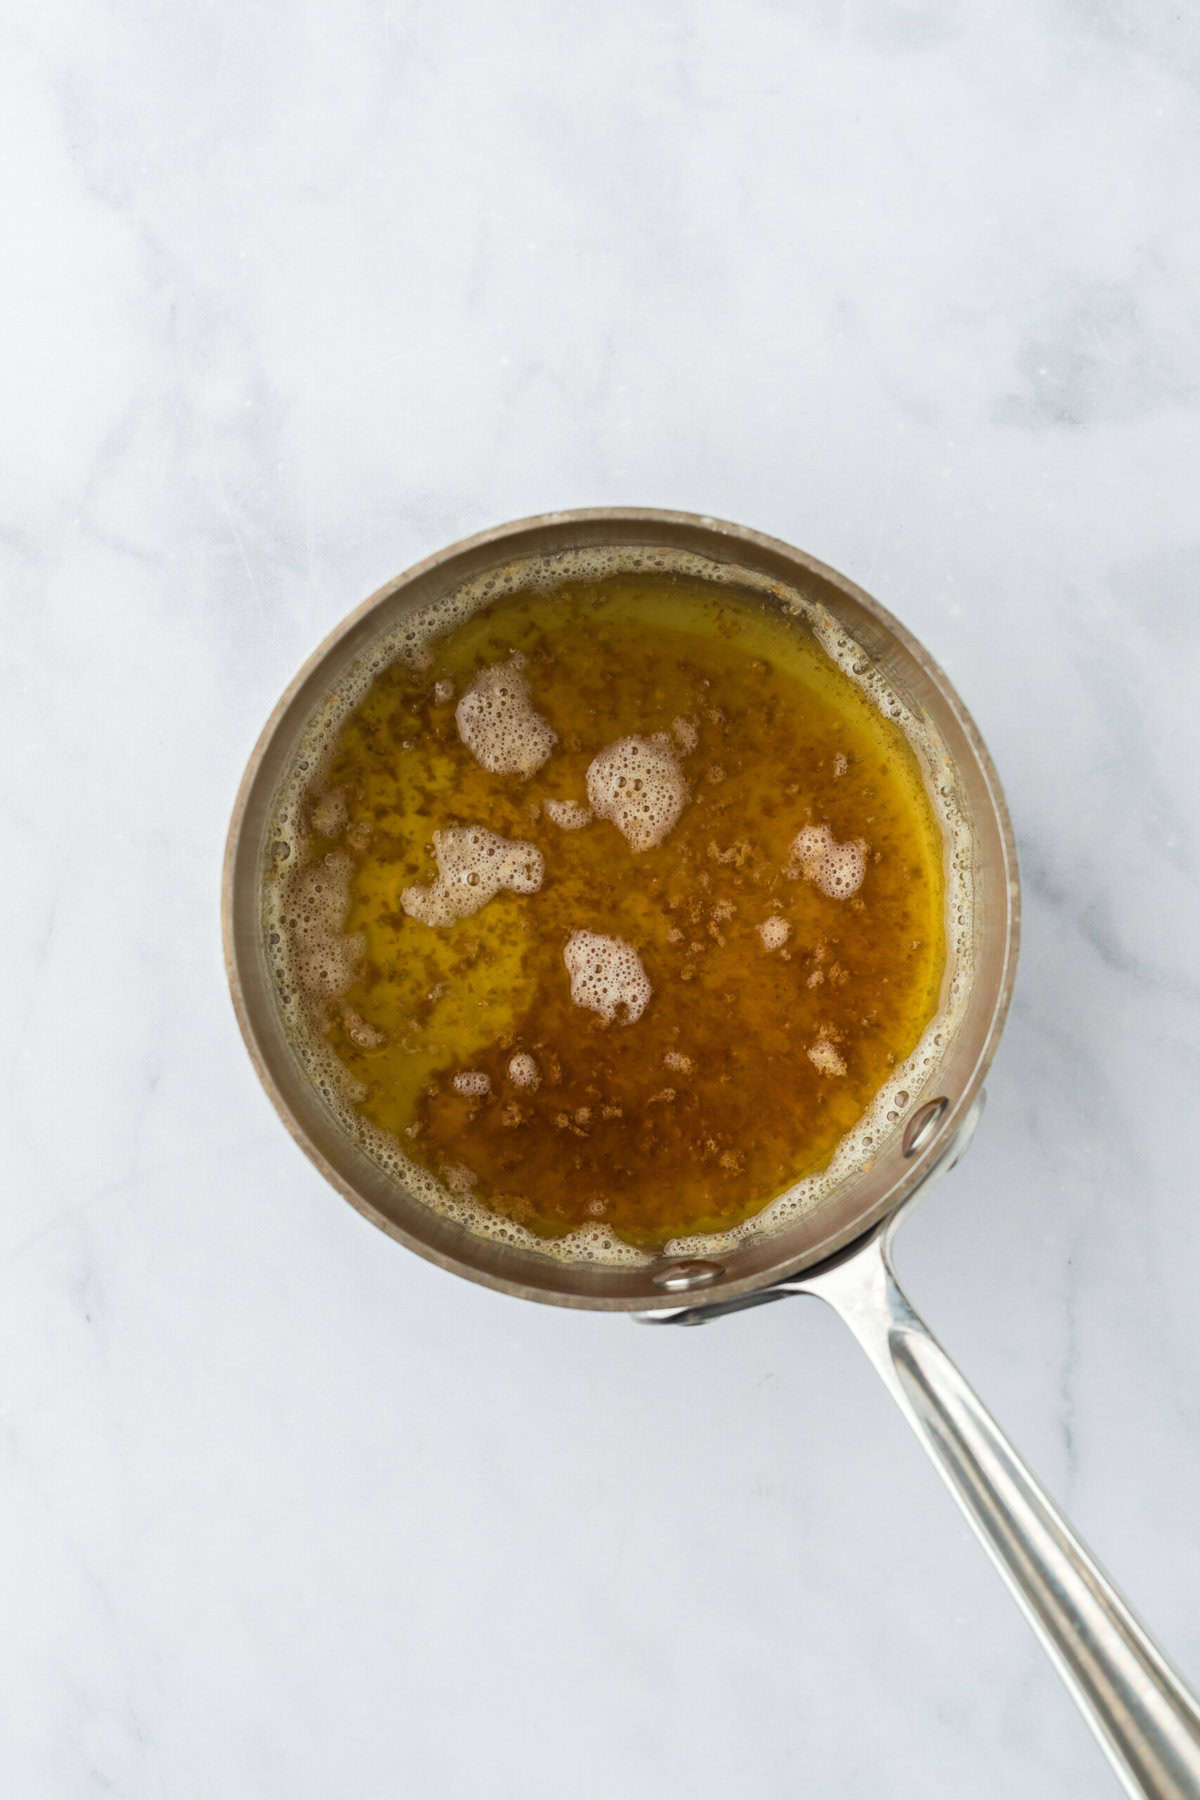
(1145, 1719)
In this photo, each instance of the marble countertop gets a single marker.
(293, 298)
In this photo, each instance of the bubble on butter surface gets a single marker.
(498, 724)
(637, 784)
(523, 1071)
(607, 976)
(568, 815)
(325, 956)
(473, 865)
(825, 1057)
(837, 869)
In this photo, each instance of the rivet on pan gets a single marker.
(692, 1274)
(919, 1132)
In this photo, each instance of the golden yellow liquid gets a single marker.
(694, 1117)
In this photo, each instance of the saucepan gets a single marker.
(1145, 1718)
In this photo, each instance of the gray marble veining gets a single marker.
(293, 298)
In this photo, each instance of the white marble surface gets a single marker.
(294, 295)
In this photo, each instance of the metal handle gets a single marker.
(1145, 1718)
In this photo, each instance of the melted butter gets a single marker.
(757, 1051)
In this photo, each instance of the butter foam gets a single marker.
(837, 869)
(638, 784)
(497, 722)
(607, 976)
(473, 864)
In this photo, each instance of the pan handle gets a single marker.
(1147, 1721)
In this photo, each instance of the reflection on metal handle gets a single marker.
(1145, 1718)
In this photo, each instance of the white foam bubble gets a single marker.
(523, 1071)
(472, 1082)
(686, 735)
(638, 785)
(774, 932)
(837, 869)
(498, 724)
(677, 1060)
(331, 813)
(568, 815)
(325, 956)
(824, 1056)
(443, 691)
(606, 976)
(459, 1179)
(360, 1031)
(473, 865)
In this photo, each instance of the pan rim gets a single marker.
(627, 1295)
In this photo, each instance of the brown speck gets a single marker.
(737, 854)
